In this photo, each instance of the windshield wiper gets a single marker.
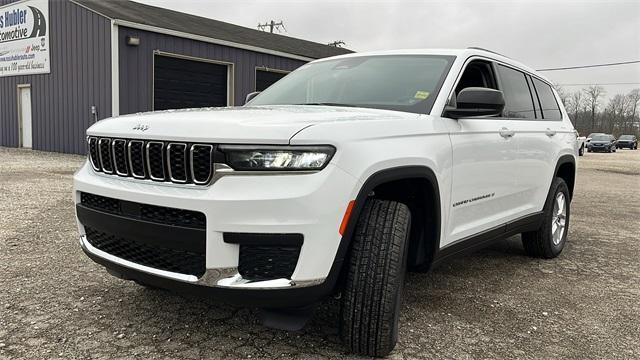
(328, 104)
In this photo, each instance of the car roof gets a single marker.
(459, 53)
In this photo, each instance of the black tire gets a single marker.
(539, 243)
(376, 268)
(581, 151)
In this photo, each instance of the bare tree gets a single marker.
(593, 95)
(575, 104)
(615, 113)
(633, 99)
(563, 94)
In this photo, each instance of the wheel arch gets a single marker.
(566, 169)
(423, 244)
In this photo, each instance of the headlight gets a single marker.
(277, 158)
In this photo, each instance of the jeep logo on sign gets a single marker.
(141, 127)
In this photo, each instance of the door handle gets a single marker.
(550, 132)
(506, 133)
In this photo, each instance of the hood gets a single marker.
(259, 124)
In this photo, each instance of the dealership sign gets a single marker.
(24, 38)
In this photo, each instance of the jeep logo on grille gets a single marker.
(141, 127)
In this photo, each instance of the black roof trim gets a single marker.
(153, 16)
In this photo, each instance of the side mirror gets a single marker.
(250, 96)
(476, 101)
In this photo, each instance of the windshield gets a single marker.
(601, 138)
(626, 137)
(593, 134)
(394, 82)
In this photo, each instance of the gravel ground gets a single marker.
(496, 303)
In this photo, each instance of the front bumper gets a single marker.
(309, 204)
(600, 148)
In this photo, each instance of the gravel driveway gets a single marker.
(496, 303)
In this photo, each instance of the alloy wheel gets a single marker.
(558, 221)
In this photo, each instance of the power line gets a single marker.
(602, 84)
(591, 66)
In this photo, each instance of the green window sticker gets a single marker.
(421, 95)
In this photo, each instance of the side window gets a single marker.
(534, 95)
(550, 109)
(517, 98)
(477, 74)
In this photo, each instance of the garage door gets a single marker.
(181, 83)
(264, 78)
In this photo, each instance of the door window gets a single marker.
(477, 74)
(517, 98)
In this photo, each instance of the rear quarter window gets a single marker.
(550, 108)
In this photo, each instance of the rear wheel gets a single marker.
(376, 268)
(581, 150)
(549, 240)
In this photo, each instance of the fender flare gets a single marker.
(376, 179)
(566, 159)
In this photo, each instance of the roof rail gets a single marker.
(487, 50)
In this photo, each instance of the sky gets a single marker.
(540, 34)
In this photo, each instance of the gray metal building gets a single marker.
(107, 58)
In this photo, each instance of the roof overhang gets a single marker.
(207, 39)
(186, 35)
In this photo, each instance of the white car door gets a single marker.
(484, 170)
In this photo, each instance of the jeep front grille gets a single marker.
(162, 161)
(152, 213)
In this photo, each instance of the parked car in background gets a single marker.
(628, 141)
(602, 142)
(588, 139)
(580, 143)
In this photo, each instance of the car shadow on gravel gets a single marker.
(169, 315)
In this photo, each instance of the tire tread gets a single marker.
(375, 275)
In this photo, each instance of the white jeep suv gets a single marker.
(333, 181)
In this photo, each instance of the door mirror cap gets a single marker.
(476, 101)
(250, 96)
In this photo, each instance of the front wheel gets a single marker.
(581, 150)
(548, 241)
(376, 268)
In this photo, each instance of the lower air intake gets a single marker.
(177, 261)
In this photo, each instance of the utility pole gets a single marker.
(337, 43)
(272, 25)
